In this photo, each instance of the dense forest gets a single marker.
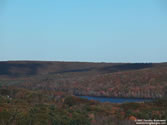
(138, 80)
(44, 93)
(28, 107)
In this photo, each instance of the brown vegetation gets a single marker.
(138, 80)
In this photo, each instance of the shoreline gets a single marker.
(107, 97)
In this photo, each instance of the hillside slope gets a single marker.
(141, 80)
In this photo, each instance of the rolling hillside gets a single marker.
(138, 80)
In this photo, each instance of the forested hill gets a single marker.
(27, 68)
(141, 80)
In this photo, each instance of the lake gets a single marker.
(115, 100)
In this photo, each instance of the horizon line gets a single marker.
(77, 61)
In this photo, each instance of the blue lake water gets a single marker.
(115, 100)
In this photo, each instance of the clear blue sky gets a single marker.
(84, 30)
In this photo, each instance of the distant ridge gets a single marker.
(16, 68)
(130, 80)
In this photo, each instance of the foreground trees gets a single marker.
(32, 109)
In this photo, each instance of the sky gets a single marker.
(84, 30)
